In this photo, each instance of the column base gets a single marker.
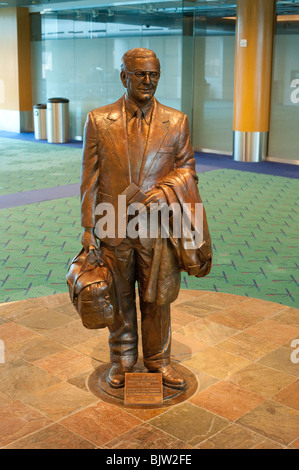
(250, 146)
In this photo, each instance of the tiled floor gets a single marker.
(239, 348)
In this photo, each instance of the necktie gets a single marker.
(137, 130)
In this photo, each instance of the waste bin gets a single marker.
(58, 120)
(40, 121)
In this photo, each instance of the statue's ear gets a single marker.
(123, 78)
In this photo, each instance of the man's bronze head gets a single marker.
(140, 73)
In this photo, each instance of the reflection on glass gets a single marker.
(78, 54)
(214, 53)
(284, 115)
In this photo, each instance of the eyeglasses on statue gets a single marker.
(141, 74)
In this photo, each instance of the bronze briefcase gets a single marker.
(91, 291)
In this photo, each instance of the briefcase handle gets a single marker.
(86, 261)
(83, 268)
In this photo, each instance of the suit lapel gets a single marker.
(117, 132)
(157, 133)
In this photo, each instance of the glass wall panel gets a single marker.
(214, 54)
(78, 55)
(284, 115)
(38, 61)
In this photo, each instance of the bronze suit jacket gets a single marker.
(105, 166)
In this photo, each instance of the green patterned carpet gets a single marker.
(253, 222)
(29, 165)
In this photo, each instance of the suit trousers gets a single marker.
(129, 262)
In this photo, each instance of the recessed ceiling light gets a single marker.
(46, 11)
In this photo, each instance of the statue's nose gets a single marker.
(147, 78)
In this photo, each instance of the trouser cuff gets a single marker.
(126, 361)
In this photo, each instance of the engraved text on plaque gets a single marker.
(143, 389)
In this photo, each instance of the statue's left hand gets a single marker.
(88, 239)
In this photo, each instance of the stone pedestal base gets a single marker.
(98, 385)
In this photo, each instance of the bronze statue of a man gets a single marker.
(138, 147)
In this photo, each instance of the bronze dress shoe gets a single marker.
(170, 377)
(116, 376)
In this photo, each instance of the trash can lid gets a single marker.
(58, 100)
(40, 106)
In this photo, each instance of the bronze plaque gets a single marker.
(143, 389)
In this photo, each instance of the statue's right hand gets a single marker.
(88, 239)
